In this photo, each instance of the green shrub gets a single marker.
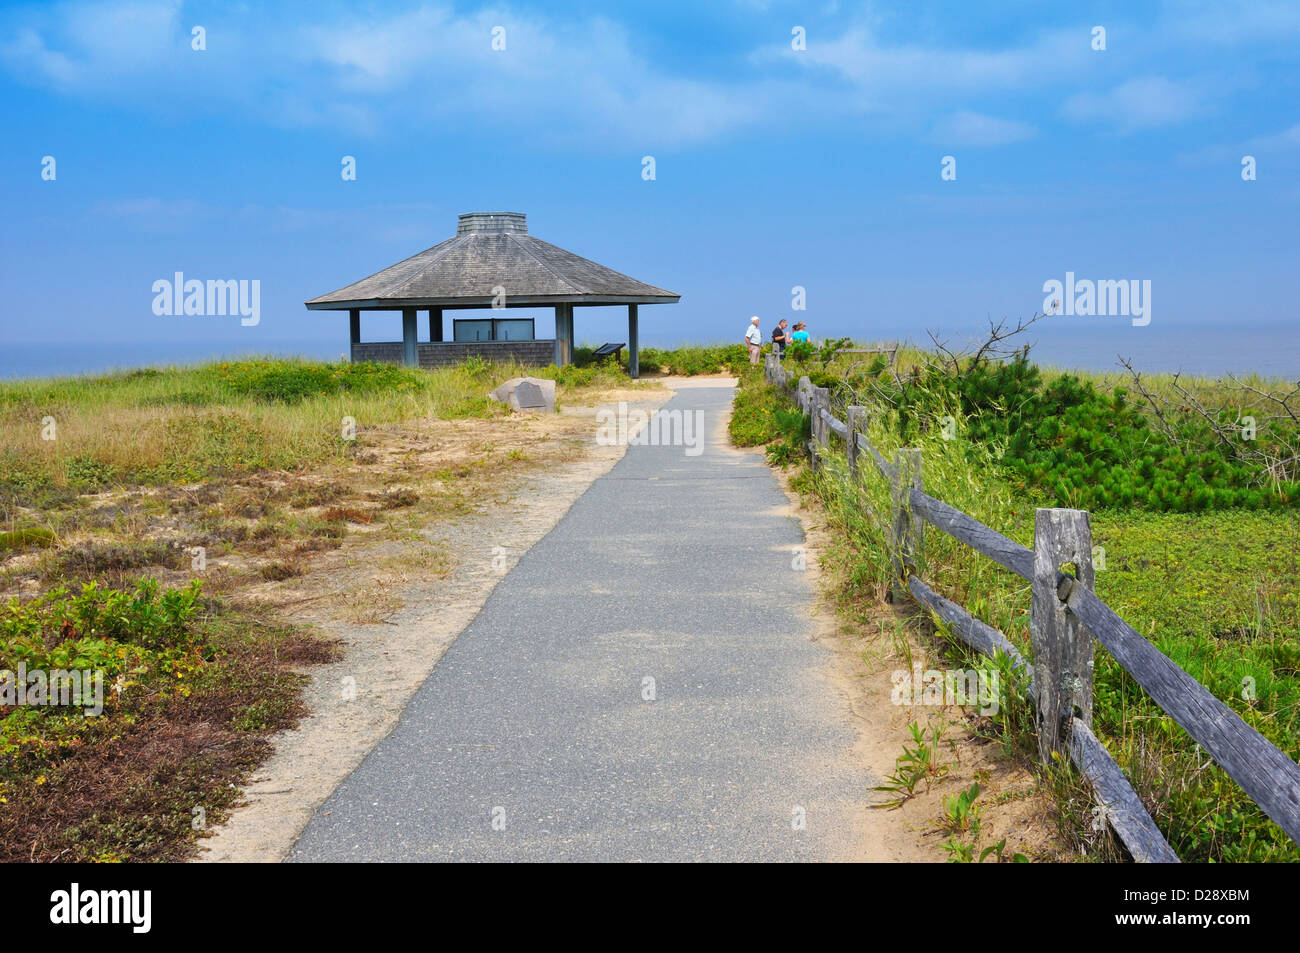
(290, 382)
(753, 416)
(1084, 447)
(690, 361)
(799, 351)
(95, 628)
(85, 473)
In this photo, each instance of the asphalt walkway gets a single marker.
(539, 736)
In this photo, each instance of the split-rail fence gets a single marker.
(1066, 616)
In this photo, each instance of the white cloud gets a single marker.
(27, 53)
(974, 129)
(884, 72)
(587, 81)
(566, 79)
(103, 44)
(1283, 143)
(1140, 103)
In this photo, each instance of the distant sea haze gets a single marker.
(1272, 351)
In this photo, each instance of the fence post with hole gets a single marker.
(907, 526)
(857, 424)
(1063, 646)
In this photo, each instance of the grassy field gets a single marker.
(186, 424)
(118, 492)
(1213, 589)
(255, 461)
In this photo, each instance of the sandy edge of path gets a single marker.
(857, 668)
(875, 835)
(383, 664)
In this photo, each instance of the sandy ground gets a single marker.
(356, 701)
(859, 667)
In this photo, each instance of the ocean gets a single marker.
(1271, 351)
(60, 359)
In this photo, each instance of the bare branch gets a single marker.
(992, 348)
(1152, 402)
(1284, 402)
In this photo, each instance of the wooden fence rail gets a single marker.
(1066, 616)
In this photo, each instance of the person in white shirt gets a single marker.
(754, 338)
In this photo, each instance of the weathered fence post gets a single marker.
(819, 399)
(857, 421)
(907, 526)
(820, 402)
(1063, 646)
(801, 393)
(772, 369)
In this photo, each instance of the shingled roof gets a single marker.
(491, 250)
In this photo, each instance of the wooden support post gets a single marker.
(410, 350)
(801, 395)
(633, 354)
(435, 324)
(1063, 646)
(907, 525)
(857, 421)
(563, 334)
(559, 335)
(354, 325)
(568, 334)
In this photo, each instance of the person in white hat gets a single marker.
(754, 338)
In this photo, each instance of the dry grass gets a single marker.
(179, 475)
(186, 425)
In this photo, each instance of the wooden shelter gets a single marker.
(491, 264)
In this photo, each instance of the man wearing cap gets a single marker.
(754, 338)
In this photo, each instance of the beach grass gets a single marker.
(173, 425)
(1213, 590)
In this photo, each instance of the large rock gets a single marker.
(527, 393)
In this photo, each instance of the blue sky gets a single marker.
(775, 167)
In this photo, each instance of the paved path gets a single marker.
(671, 567)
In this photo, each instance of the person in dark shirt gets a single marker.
(779, 337)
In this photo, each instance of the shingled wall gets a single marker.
(534, 353)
